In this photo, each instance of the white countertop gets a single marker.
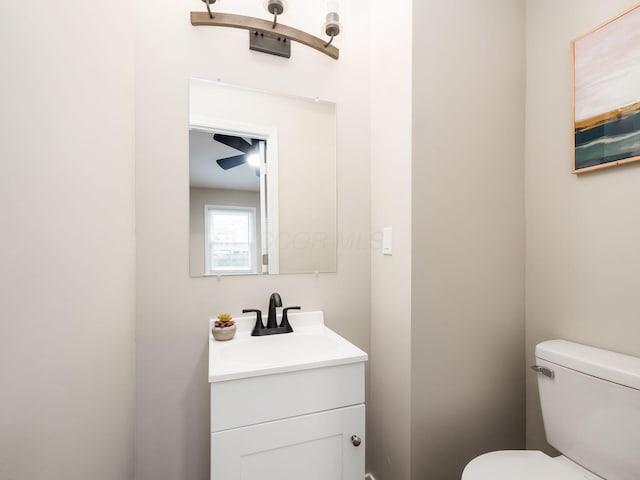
(310, 345)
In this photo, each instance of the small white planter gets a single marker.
(223, 334)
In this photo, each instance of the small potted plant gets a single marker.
(224, 327)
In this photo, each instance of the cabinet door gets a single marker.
(310, 447)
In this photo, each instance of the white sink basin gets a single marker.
(311, 345)
(278, 349)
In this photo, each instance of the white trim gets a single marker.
(336, 179)
(368, 476)
(270, 135)
(221, 125)
(254, 267)
(203, 83)
(264, 243)
(273, 202)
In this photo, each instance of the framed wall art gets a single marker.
(606, 94)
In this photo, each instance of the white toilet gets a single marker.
(591, 410)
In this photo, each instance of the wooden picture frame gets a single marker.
(606, 94)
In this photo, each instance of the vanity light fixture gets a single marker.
(270, 36)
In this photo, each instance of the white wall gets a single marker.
(172, 439)
(67, 277)
(583, 232)
(389, 415)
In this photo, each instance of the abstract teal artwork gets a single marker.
(606, 94)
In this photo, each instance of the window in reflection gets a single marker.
(231, 240)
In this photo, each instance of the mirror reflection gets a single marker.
(261, 182)
(225, 216)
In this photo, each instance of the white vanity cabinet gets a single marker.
(317, 446)
(282, 420)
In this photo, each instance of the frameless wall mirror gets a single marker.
(262, 182)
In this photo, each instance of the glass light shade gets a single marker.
(332, 26)
(333, 5)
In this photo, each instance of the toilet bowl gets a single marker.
(524, 465)
(590, 401)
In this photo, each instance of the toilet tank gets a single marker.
(591, 407)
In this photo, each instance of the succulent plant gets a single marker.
(224, 320)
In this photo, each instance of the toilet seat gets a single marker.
(520, 465)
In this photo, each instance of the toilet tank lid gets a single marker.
(611, 366)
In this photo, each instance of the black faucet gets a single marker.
(274, 301)
(272, 327)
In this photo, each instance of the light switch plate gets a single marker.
(387, 241)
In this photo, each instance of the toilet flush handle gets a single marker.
(547, 372)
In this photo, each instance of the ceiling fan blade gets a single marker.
(238, 143)
(230, 162)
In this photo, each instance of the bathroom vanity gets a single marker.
(289, 406)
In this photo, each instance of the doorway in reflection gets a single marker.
(227, 203)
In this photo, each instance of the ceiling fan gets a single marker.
(248, 150)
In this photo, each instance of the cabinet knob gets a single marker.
(355, 439)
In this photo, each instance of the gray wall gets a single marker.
(467, 333)
(172, 427)
(67, 247)
(198, 198)
(455, 305)
(583, 232)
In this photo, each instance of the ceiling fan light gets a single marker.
(254, 159)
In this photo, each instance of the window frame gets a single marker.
(253, 256)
